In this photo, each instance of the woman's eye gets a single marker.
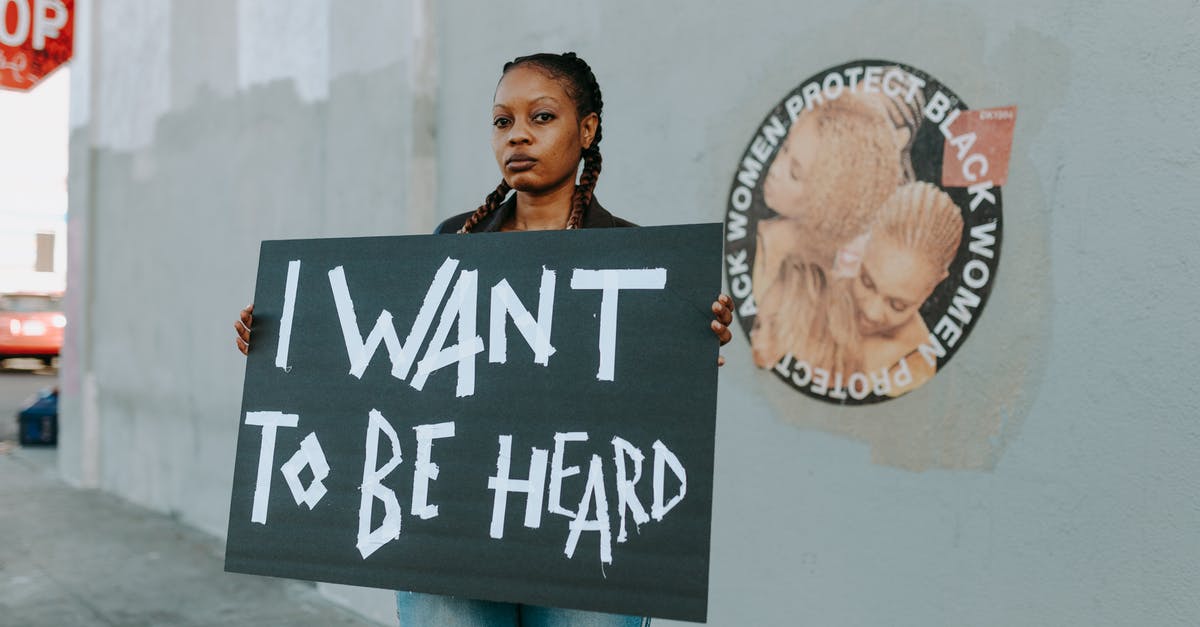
(866, 281)
(543, 117)
(897, 306)
(501, 122)
(795, 170)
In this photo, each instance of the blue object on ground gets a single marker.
(37, 422)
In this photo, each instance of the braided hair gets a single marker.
(856, 170)
(820, 309)
(925, 219)
(581, 86)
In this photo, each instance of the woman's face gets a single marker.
(893, 281)
(536, 135)
(789, 181)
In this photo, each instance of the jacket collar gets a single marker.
(594, 217)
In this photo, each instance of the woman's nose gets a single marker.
(873, 309)
(518, 133)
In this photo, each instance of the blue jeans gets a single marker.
(415, 609)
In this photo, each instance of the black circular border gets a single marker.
(927, 166)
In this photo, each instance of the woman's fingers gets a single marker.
(243, 336)
(722, 309)
(722, 332)
(242, 327)
(726, 302)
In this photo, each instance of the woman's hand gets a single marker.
(242, 326)
(722, 317)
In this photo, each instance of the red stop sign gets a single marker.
(36, 36)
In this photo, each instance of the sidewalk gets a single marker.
(81, 557)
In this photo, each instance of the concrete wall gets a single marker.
(1046, 477)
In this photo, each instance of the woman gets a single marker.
(868, 320)
(839, 162)
(837, 165)
(908, 253)
(545, 120)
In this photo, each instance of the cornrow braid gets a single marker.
(489, 205)
(588, 101)
(906, 115)
(924, 218)
(857, 170)
(580, 83)
(587, 183)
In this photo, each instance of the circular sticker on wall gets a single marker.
(863, 230)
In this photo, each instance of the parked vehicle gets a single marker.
(31, 325)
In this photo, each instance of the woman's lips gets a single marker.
(520, 163)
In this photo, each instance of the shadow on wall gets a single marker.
(964, 418)
(176, 228)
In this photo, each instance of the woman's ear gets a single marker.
(587, 129)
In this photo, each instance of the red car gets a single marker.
(31, 325)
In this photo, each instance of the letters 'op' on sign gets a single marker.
(36, 36)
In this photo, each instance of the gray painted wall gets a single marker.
(1046, 477)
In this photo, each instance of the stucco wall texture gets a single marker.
(1048, 476)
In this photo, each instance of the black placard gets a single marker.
(654, 285)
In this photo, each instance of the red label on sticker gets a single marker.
(977, 147)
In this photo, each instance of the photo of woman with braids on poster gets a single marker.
(907, 253)
(868, 314)
(837, 165)
(859, 284)
(546, 121)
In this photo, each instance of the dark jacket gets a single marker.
(594, 217)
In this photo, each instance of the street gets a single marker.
(83, 557)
